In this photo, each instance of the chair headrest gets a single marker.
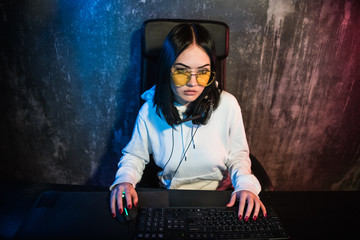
(155, 31)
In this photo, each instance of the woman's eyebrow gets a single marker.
(206, 65)
(181, 64)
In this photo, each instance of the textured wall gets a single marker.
(300, 92)
(70, 75)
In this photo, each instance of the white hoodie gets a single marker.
(202, 153)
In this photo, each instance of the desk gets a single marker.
(305, 215)
(317, 215)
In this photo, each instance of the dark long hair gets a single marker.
(180, 38)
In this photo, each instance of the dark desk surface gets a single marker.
(305, 215)
(317, 215)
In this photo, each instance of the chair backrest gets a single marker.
(153, 34)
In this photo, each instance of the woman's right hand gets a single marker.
(116, 197)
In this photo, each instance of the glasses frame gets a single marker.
(211, 79)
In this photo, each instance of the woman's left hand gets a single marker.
(253, 203)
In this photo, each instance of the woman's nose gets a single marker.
(193, 81)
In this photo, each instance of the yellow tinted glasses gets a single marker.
(182, 77)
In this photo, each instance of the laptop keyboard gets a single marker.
(205, 223)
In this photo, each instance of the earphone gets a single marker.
(190, 118)
(184, 153)
(208, 109)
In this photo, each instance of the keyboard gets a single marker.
(205, 223)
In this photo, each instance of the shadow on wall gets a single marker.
(125, 115)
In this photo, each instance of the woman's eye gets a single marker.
(204, 71)
(182, 71)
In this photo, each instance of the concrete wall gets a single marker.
(70, 73)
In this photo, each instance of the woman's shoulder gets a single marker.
(228, 108)
(228, 99)
(147, 110)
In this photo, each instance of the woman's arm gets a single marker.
(246, 185)
(135, 156)
(131, 167)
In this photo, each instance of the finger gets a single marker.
(119, 200)
(242, 202)
(128, 199)
(135, 198)
(113, 203)
(232, 200)
(263, 209)
(257, 208)
(250, 206)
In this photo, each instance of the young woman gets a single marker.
(193, 129)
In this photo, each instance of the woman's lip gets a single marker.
(189, 92)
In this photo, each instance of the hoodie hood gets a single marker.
(148, 95)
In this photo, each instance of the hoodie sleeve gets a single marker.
(239, 164)
(135, 156)
(137, 153)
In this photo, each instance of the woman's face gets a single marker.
(192, 59)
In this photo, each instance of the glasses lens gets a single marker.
(180, 77)
(203, 77)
